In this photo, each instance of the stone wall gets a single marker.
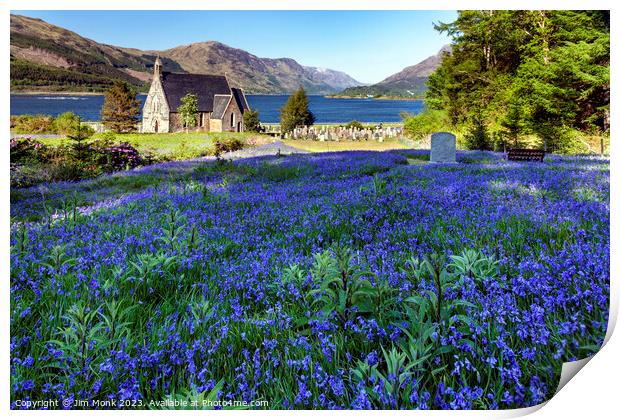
(176, 122)
(155, 114)
(233, 118)
(215, 125)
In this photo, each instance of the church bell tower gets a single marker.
(157, 68)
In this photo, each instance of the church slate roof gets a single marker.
(242, 103)
(220, 103)
(177, 85)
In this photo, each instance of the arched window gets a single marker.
(232, 119)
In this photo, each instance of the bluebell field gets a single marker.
(337, 280)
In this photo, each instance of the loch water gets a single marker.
(325, 110)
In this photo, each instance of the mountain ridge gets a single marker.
(48, 57)
(410, 82)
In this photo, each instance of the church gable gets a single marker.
(156, 112)
(220, 105)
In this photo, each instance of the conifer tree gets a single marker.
(121, 109)
(251, 121)
(78, 134)
(524, 73)
(295, 113)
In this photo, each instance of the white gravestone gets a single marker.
(443, 147)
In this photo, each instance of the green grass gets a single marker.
(339, 146)
(173, 146)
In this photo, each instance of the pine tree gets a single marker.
(295, 113)
(121, 108)
(78, 134)
(188, 110)
(251, 121)
(478, 137)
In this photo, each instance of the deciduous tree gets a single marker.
(188, 110)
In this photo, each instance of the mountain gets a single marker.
(255, 74)
(409, 82)
(47, 57)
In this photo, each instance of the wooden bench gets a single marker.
(526, 154)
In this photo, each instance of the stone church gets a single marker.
(220, 107)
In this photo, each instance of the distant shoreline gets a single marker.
(57, 92)
(73, 93)
(380, 98)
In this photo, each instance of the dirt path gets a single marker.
(266, 150)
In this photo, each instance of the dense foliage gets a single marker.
(295, 112)
(33, 162)
(43, 124)
(251, 121)
(221, 146)
(526, 73)
(188, 110)
(425, 123)
(338, 280)
(36, 161)
(121, 108)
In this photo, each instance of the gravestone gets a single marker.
(443, 147)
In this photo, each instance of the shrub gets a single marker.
(355, 124)
(23, 176)
(33, 163)
(70, 170)
(32, 124)
(227, 145)
(119, 157)
(424, 124)
(27, 150)
(478, 137)
(66, 122)
(564, 140)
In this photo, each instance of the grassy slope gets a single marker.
(171, 146)
(57, 195)
(177, 146)
(338, 146)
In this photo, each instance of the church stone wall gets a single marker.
(156, 113)
(233, 118)
(215, 125)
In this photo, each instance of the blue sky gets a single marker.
(368, 45)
